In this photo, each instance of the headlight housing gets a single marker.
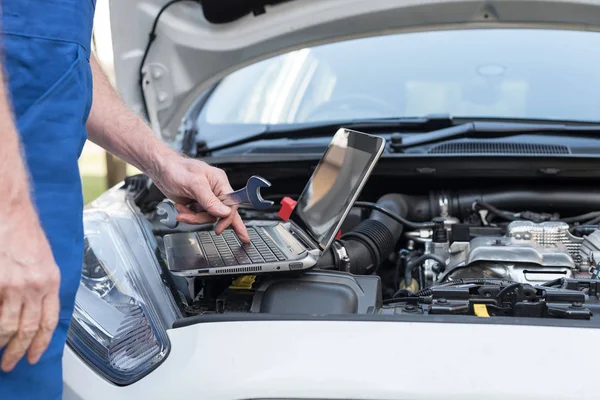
(122, 308)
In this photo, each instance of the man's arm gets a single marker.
(120, 131)
(29, 279)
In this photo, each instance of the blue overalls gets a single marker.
(46, 49)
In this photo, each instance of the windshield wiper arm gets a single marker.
(310, 130)
(491, 129)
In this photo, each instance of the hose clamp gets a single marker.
(342, 260)
(443, 203)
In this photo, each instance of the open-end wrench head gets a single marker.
(166, 210)
(253, 191)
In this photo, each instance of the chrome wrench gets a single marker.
(250, 194)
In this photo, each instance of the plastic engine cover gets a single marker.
(316, 292)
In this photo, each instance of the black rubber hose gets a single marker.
(460, 203)
(417, 262)
(566, 202)
(396, 217)
(372, 241)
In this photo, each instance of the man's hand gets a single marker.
(29, 284)
(116, 128)
(186, 180)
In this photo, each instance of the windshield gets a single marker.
(507, 73)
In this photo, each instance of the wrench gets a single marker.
(247, 195)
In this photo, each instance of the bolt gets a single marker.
(577, 304)
(442, 301)
(157, 74)
(518, 236)
(410, 308)
(396, 142)
(162, 96)
(487, 294)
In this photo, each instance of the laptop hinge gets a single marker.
(302, 237)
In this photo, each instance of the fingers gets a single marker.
(48, 322)
(240, 229)
(20, 342)
(225, 222)
(210, 202)
(9, 316)
(235, 221)
(187, 216)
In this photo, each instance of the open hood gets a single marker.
(199, 42)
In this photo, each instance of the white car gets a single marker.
(488, 289)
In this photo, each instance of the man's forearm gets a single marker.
(113, 126)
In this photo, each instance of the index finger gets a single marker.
(239, 228)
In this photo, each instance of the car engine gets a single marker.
(527, 253)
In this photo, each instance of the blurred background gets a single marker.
(98, 169)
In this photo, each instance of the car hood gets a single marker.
(198, 42)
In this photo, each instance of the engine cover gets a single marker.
(529, 253)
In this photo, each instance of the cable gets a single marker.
(495, 211)
(508, 289)
(477, 281)
(507, 215)
(394, 216)
(594, 221)
(594, 215)
(151, 38)
(420, 260)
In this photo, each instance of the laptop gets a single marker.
(286, 246)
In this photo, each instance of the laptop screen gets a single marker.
(336, 184)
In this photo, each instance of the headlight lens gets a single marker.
(122, 307)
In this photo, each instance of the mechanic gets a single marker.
(46, 113)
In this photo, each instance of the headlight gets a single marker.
(122, 307)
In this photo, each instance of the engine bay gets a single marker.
(484, 253)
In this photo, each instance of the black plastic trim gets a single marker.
(453, 319)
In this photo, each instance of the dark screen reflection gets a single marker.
(331, 189)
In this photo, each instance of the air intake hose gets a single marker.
(372, 241)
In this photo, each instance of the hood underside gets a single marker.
(199, 42)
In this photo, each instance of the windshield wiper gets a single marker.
(311, 130)
(492, 129)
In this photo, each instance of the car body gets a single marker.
(131, 336)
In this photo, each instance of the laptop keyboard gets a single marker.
(226, 249)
